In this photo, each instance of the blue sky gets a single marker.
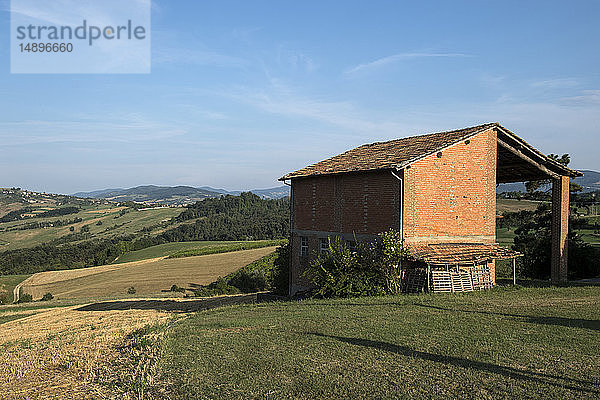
(242, 92)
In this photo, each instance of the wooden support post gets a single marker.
(560, 229)
(514, 271)
(428, 278)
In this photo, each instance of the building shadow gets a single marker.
(177, 306)
(590, 324)
(509, 372)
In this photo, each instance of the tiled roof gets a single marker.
(460, 253)
(388, 155)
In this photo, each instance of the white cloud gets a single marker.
(400, 57)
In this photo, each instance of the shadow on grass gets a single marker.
(558, 321)
(510, 372)
(540, 283)
(171, 305)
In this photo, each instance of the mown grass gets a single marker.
(503, 343)
(227, 247)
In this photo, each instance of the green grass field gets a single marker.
(166, 249)
(8, 283)
(507, 343)
(188, 249)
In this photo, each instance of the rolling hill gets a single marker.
(175, 195)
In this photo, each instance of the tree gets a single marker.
(533, 186)
(534, 240)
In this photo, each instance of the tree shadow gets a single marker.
(510, 372)
(590, 324)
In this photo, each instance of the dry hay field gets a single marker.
(512, 205)
(148, 277)
(65, 353)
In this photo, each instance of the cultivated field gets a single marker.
(511, 205)
(148, 277)
(103, 221)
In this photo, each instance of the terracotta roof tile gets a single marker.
(387, 155)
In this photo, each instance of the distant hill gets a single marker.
(175, 195)
(590, 182)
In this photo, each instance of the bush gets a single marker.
(372, 270)
(131, 290)
(281, 271)
(25, 298)
(217, 288)
(176, 288)
(4, 298)
(47, 297)
(249, 281)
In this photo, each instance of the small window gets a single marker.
(303, 246)
(323, 245)
(351, 245)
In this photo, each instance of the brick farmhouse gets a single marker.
(438, 190)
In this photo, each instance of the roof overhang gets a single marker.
(465, 254)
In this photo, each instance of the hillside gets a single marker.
(176, 195)
(34, 219)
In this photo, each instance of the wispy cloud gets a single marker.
(558, 83)
(131, 128)
(585, 97)
(196, 57)
(282, 99)
(381, 62)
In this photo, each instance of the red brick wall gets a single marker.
(453, 197)
(362, 203)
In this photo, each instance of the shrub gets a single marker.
(281, 271)
(25, 298)
(249, 281)
(99, 223)
(47, 297)
(176, 288)
(4, 298)
(372, 270)
(219, 287)
(131, 290)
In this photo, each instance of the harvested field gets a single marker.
(63, 353)
(148, 277)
